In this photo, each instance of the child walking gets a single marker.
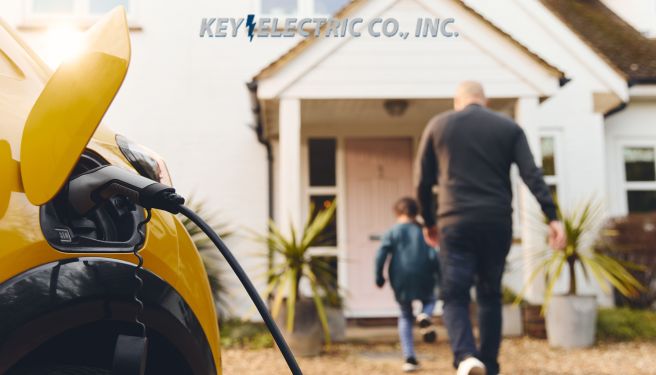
(413, 272)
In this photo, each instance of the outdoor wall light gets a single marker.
(395, 107)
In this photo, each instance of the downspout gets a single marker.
(258, 127)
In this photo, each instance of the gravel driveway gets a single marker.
(518, 356)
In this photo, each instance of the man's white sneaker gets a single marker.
(471, 366)
(410, 365)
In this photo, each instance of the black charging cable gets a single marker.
(91, 188)
(248, 285)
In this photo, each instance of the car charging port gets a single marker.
(110, 227)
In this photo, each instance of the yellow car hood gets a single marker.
(71, 106)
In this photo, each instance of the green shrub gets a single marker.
(243, 334)
(625, 324)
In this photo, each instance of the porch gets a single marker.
(344, 117)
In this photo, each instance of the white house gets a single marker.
(340, 117)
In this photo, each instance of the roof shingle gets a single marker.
(628, 51)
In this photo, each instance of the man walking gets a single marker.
(468, 154)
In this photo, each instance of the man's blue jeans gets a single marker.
(406, 322)
(474, 254)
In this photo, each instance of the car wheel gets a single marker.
(61, 370)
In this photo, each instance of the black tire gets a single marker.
(61, 370)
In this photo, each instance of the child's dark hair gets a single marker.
(406, 206)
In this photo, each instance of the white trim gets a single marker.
(504, 52)
(290, 163)
(342, 228)
(274, 86)
(643, 91)
(497, 47)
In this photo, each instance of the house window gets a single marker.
(548, 147)
(74, 13)
(103, 6)
(640, 178)
(301, 7)
(76, 8)
(53, 6)
(322, 162)
(322, 183)
(328, 267)
(279, 7)
(328, 7)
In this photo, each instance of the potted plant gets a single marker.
(336, 318)
(215, 265)
(511, 314)
(571, 317)
(304, 317)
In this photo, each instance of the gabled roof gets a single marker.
(624, 48)
(350, 7)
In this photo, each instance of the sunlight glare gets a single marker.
(62, 43)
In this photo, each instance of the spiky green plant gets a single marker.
(582, 226)
(293, 263)
(215, 265)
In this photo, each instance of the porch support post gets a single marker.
(289, 187)
(533, 238)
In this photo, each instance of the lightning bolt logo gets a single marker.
(250, 25)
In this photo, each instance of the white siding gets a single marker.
(415, 67)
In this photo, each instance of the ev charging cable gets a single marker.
(88, 190)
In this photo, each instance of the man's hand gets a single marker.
(431, 236)
(380, 281)
(557, 238)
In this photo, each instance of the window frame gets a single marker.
(626, 186)
(309, 191)
(555, 180)
(80, 16)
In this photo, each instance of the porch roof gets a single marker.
(288, 56)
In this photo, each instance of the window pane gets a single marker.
(641, 200)
(322, 162)
(52, 6)
(329, 235)
(639, 164)
(103, 6)
(548, 159)
(279, 7)
(326, 272)
(329, 7)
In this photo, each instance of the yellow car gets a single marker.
(67, 281)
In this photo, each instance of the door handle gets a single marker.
(374, 237)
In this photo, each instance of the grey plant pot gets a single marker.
(512, 321)
(336, 323)
(571, 321)
(307, 338)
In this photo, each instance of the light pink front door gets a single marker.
(378, 173)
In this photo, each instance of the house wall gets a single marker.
(634, 125)
(184, 97)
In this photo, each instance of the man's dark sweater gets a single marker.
(469, 154)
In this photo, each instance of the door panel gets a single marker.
(378, 173)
